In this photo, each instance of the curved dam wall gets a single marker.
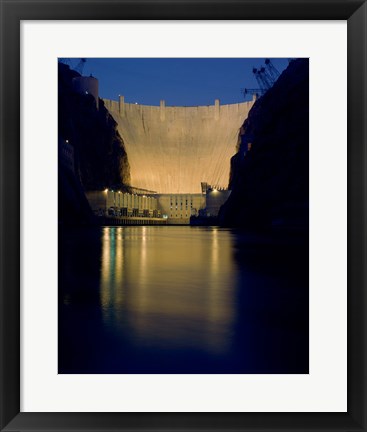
(172, 149)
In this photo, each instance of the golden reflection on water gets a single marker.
(172, 286)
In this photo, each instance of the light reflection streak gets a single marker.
(105, 269)
(119, 264)
(111, 289)
(220, 305)
(142, 284)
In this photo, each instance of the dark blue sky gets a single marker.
(179, 81)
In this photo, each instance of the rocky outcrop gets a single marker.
(73, 206)
(100, 156)
(270, 172)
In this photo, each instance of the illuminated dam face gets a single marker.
(171, 150)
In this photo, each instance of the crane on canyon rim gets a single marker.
(79, 66)
(272, 70)
(265, 77)
(252, 91)
(64, 60)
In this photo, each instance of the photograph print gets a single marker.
(183, 216)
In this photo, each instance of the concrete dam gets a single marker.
(172, 149)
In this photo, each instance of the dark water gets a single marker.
(180, 300)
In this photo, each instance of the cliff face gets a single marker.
(73, 206)
(100, 156)
(270, 172)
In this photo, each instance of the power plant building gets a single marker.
(117, 203)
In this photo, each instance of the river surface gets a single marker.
(166, 299)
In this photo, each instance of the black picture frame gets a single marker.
(12, 12)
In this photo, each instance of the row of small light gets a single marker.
(108, 190)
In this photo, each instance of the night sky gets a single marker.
(179, 81)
